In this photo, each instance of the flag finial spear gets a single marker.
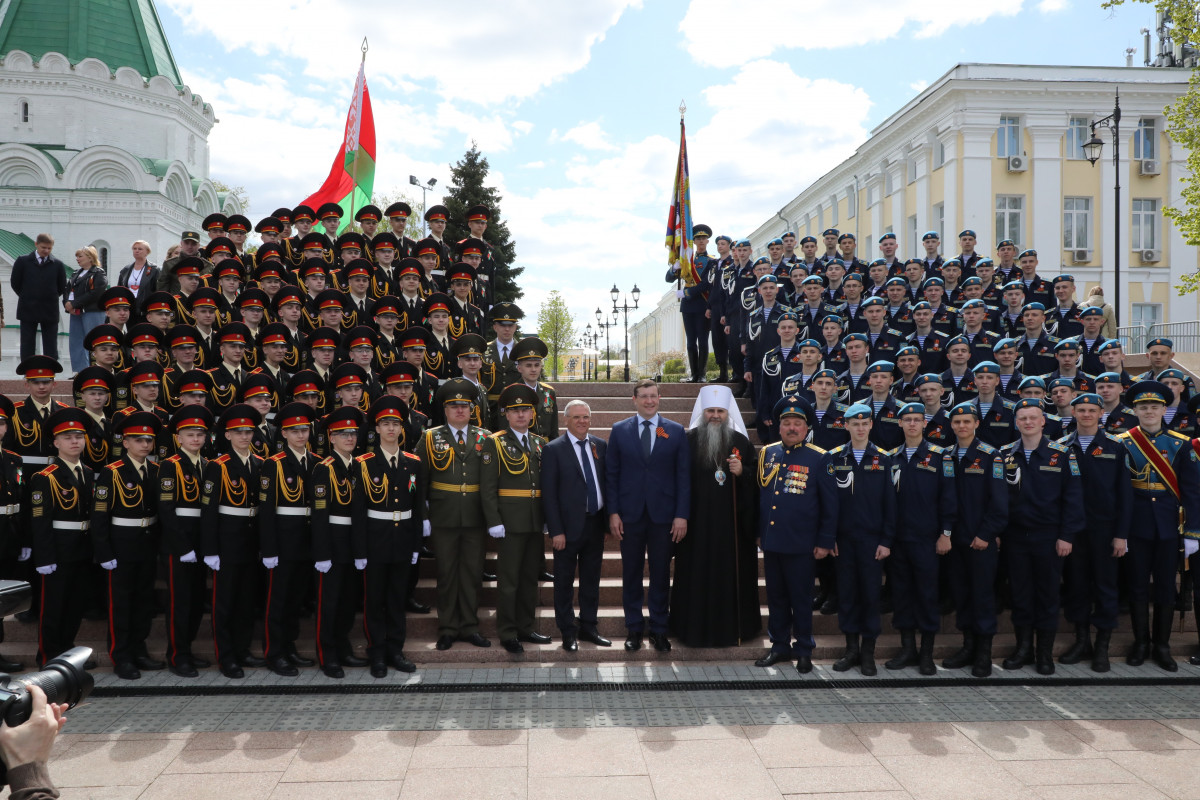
(364, 48)
(682, 110)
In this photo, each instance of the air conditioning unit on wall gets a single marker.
(1151, 256)
(1081, 256)
(1018, 163)
(1149, 166)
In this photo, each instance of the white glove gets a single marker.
(545, 530)
(109, 565)
(46, 570)
(416, 557)
(496, 532)
(271, 563)
(360, 563)
(214, 563)
(426, 528)
(26, 552)
(323, 566)
(1190, 546)
(189, 557)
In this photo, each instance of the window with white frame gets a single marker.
(1010, 217)
(939, 224)
(1077, 134)
(24, 110)
(1077, 223)
(1146, 314)
(1008, 137)
(1144, 140)
(1144, 226)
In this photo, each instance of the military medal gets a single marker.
(720, 476)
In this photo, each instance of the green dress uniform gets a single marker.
(499, 370)
(545, 419)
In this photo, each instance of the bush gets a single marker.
(673, 366)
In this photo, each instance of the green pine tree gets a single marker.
(467, 189)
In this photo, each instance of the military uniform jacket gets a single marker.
(465, 319)
(899, 318)
(225, 386)
(926, 501)
(454, 471)
(510, 482)
(1156, 507)
(57, 496)
(998, 426)
(830, 430)
(283, 507)
(1039, 290)
(959, 392)
(1090, 359)
(945, 319)
(179, 503)
(851, 388)
(228, 507)
(798, 504)
(983, 498)
(35, 445)
(885, 430)
(775, 370)
(334, 483)
(1014, 327)
(1119, 420)
(983, 346)
(545, 417)
(125, 513)
(866, 494)
(937, 430)
(885, 344)
(388, 507)
(1107, 490)
(13, 535)
(1063, 324)
(834, 358)
(98, 449)
(118, 449)
(932, 350)
(1045, 492)
(1009, 383)
(497, 373)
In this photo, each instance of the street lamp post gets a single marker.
(606, 327)
(1091, 151)
(625, 308)
(424, 187)
(589, 340)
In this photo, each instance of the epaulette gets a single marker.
(325, 462)
(477, 428)
(891, 453)
(840, 406)
(498, 435)
(841, 448)
(278, 456)
(1009, 404)
(1062, 448)
(1179, 435)
(548, 386)
(984, 447)
(48, 470)
(1113, 437)
(19, 404)
(894, 332)
(221, 459)
(172, 459)
(812, 446)
(937, 449)
(1052, 339)
(114, 465)
(364, 457)
(1122, 436)
(413, 456)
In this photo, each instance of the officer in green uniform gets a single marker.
(453, 455)
(499, 367)
(467, 351)
(510, 486)
(530, 354)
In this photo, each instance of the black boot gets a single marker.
(907, 657)
(1139, 618)
(1023, 654)
(983, 657)
(1100, 650)
(867, 658)
(925, 663)
(1082, 648)
(1163, 617)
(1045, 652)
(964, 654)
(829, 607)
(1195, 660)
(724, 376)
(819, 598)
(851, 657)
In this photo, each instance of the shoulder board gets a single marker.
(277, 456)
(1060, 447)
(1053, 339)
(841, 448)
(325, 462)
(115, 465)
(1112, 437)
(172, 459)
(539, 438)
(255, 456)
(498, 434)
(1122, 436)
(477, 430)
(936, 449)
(892, 452)
(48, 470)
(221, 459)
(984, 447)
(1009, 404)
(1178, 435)
(19, 404)
(413, 456)
(894, 332)
(11, 453)
(211, 370)
(812, 446)
(364, 457)
(548, 386)
(840, 406)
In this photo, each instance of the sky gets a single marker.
(575, 104)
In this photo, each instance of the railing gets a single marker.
(1133, 338)
(1184, 335)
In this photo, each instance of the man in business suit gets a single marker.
(40, 281)
(572, 468)
(649, 498)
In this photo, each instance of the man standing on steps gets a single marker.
(40, 281)
(649, 498)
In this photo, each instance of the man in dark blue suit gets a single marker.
(40, 282)
(648, 493)
(572, 468)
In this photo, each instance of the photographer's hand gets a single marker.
(31, 741)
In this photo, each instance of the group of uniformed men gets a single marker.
(918, 415)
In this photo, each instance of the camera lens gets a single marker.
(63, 679)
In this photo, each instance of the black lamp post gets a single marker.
(589, 340)
(606, 327)
(625, 308)
(1091, 151)
(424, 187)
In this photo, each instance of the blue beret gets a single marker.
(1064, 278)
(1148, 392)
(856, 337)
(743, 243)
(879, 262)
(809, 343)
(761, 260)
(1057, 383)
(874, 300)
(907, 350)
(724, 238)
(1013, 285)
(1004, 344)
(912, 408)
(976, 303)
(888, 235)
(789, 233)
(1029, 402)
(928, 377)
(859, 411)
(789, 314)
(1171, 372)
(930, 235)
(1067, 344)
(1088, 397)
(824, 373)
(1107, 377)
(817, 279)
(1108, 344)
(798, 265)
(971, 281)
(1160, 342)
(879, 368)
(766, 279)
(1034, 306)
(987, 368)
(849, 236)
(793, 407)
(918, 261)
(808, 239)
(835, 319)
(896, 281)
(774, 242)
(966, 232)
(933, 281)
(965, 409)
(853, 276)
(1091, 311)
(921, 305)
(830, 232)
(959, 339)
(952, 262)
(1007, 243)
(1028, 252)
(1031, 381)
(984, 262)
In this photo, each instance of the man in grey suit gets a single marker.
(40, 281)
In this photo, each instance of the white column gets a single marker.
(978, 205)
(950, 190)
(1045, 205)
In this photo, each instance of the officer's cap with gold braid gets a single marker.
(1148, 392)
(284, 215)
(324, 337)
(346, 418)
(438, 212)
(196, 416)
(118, 296)
(469, 344)
(66, 420)
(385, 240)
(387, 407)
(220, 246)
(471, 247)
(399, 209)
(347, 375)
(287, 294)
(303, 213)
(270, 261)
(92, 378)
(213, 221)
(794, 406)
(311, 266)
(139, 423)
(409, 266)
(368, 213)
(415, 337)
(194, 381)
(506, 313)
(231, 268)
(240, 416)
(269, 225)
(427, 247)
(306, 381)
(456, 391)
(294, 415)
(103, 334)
(237, 223)
(529, 347)
(461, 272)
(274, 333)
(350, 240)
(358, 268)
(252, 297)
(477, 212)
(399, 372)
(189, 265)
(258, 384)
(39, 368)
(204, 297)
(144, 372)
(518, 395)
(330, 298)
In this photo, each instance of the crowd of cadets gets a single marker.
(955, 403)
(256, 422)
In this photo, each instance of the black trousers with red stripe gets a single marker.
(233, 610)
(287, 586)
(336, 597)
(185, 596)
(129, 590)
(62, 605)
(385, 590)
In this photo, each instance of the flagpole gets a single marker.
(354, 172)
(682, 111)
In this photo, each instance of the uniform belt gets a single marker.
(35, 459)
(340, 520)
(10, 509)
(187, 512)
(67, 525)
(236, 511)
(519, 492)
(133, 522)
(464, 488)
(292, 511)
(1150, 486)
(391, 516)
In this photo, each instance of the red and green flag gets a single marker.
(679, 217)
(352, 176)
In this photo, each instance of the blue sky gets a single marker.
(575, 104)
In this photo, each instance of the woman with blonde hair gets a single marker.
(1096, 298)
(82, 302)
(140, 277)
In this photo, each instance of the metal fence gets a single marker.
(1185, 336)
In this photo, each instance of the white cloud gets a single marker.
(764, 26)
(1052, 6)
(522, 126)
(533, 165)
(919, 86)
(589, 135)
(477, 52)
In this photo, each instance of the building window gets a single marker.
(939, 224)
(1010, 217)
(1145, 225)
(939, 155)
(1008, 137)
(913, 236)
(1144, 140)
(1077, 134)
(1146, 314)
(851, 202)
(871, 196)
(24, 111)
(1077, 223)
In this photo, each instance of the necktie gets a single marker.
(303, 464)
(237, 377)
(141, 471)
(525, 443)
(392, 462)
(588, 478)
(647, 438)
(45, 413)
(79, 475)
(461, 442)
(504, 353)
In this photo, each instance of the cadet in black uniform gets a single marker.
(14, 544)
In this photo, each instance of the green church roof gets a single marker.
(121, 33)
(15, 244)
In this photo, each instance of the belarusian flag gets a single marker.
(352, 176)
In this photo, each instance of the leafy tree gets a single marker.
(239, 192)
(556, 327)
(414, 229)
(467, 188)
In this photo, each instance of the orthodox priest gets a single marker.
(714, 599)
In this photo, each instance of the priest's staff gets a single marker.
(737, 567)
